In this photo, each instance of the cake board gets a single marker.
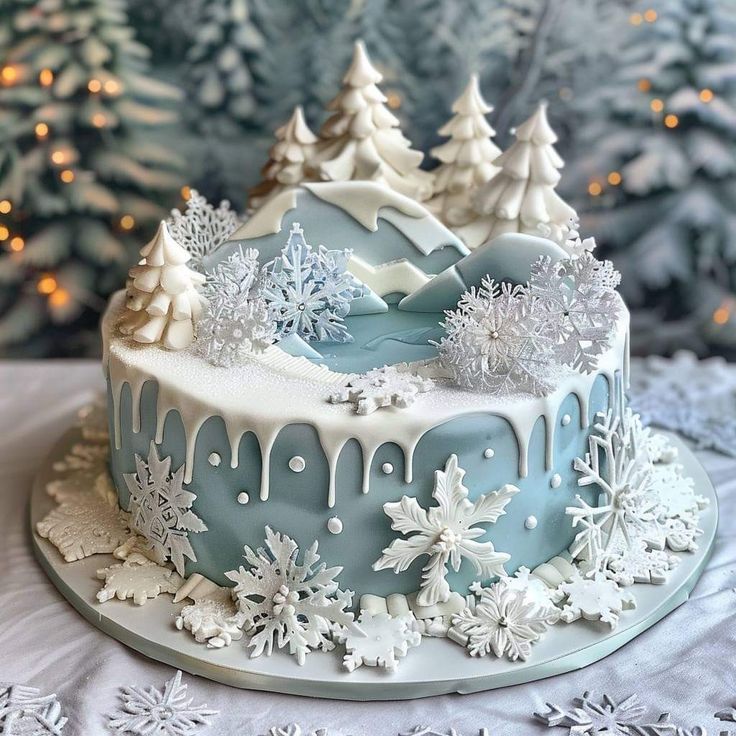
(437, 667)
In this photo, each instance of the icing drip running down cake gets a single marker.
(386, 403)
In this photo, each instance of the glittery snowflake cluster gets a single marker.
(309, 291)
(505, 339)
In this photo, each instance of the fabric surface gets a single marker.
(684, 665)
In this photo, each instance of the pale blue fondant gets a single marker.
(297, 504)
(367, 303)
(294, 345)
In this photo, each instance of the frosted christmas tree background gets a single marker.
(112, 111)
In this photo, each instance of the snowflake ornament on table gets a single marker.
(446, 533)
(160, 509)
(381, 640)
(594, 598)
(154, 712)
(202, 228)
(138, 578)
(309, 292)
(493, 342)
(25, 712)
(382, 387)
(211, 621)
(288, 604)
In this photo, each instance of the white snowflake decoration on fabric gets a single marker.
(379, 641)
(446, 533)
(286, 603)
(211, 621)
(382, 387)
(503, 622)
(25, 712)
(309, 292)
(594, 598)
(493, 342)
(138, 578)
(202, 228)
(576, 307)
(160, 509)
(166, 712)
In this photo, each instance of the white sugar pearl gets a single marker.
(334, 525)
(297, 464)
(488, 453)
(243, 498)
(566, 419)
(531, 522)
(555, 481)
(387, 468)
(214, 459)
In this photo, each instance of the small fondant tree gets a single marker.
(163, 301)
(521, 197)
(288, 162)
(466, 159)
(362, 139)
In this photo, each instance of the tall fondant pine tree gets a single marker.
(289, 160)
(362, 139)
(466, 159)
(162, 300)
(521, 197)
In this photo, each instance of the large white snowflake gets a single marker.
(167, 712)
(446, 533)
(503, 622)
(201, 228)
(493, 342)
(25, 712)
(160, 509)
(594, 598)
(309, 292)
(382, 387)
(576, 307)
(287, 603)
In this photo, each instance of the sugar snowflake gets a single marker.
(138, 578)
(446, 533)
(211, 621)
(493, 341)
(287, 603)
(166, 712)
(503, 622)
(535, 591)
(379, 641)
(576, 307)
(382, 387)
(25, 712)
(160, 509)
(594, 598)
(83, 456)
(639, 564)
(308, 292)
(93, 421)
(574, 245)
(201, 228)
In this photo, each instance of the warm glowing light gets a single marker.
(644, 85)
(393, 100)
(186, 192)
(671, 121)
(706, 95)
(17, 244)
(614, 178)
(59, 297)
(46, 284)
(594, 189)
(4, 232)
(9, 74)
(127, 222)
(94, 85)
(636, 19)
(650, 15)
(99, 120)
(42, 130)
(67, 176)
(46, 77)
(58, 157)
(5, 206)
(657, 105)
(111, 87)
(722, 314)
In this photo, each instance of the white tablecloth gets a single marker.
(685, 665)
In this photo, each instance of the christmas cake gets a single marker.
(416, 377)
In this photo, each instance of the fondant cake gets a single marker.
(417, 377)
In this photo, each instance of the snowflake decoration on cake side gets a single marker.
(212, 621)
(288, 604)
(160, 509)
(575, 305)
(503, 622)
(446, 533)
(138, 578)
(536, 592)
(493, 342)
(594, 598)
(382, 387)
(167, 712)
(379, 641)
(308, 292)
(25, 712)
(202, 228)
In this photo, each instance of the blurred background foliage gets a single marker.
(111, 110)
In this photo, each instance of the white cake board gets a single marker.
(437, 667)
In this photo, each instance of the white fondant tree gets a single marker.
(521, 197)
(163, 301)
(288, 160)
(466, 159)
(362, 139)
